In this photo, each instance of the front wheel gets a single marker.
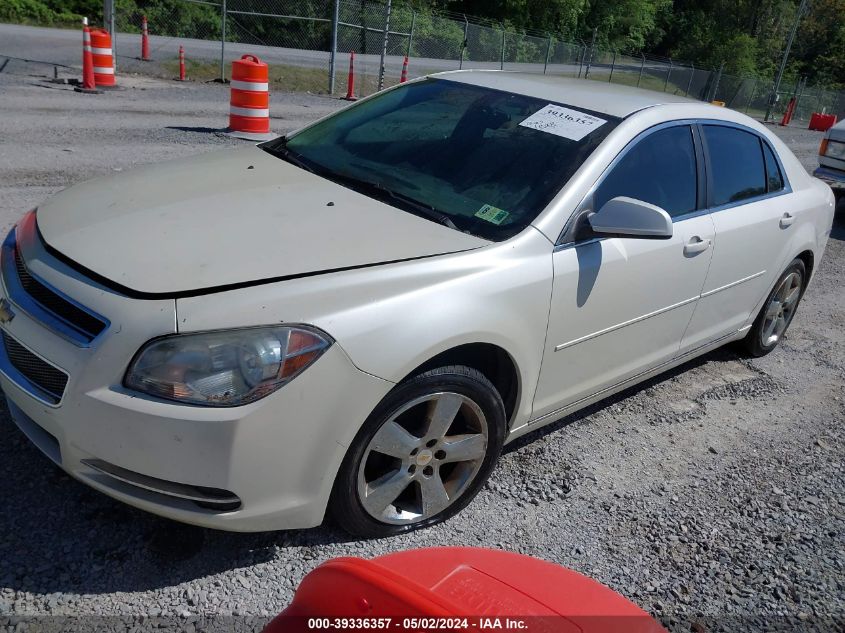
(422, 455)
(778, 310)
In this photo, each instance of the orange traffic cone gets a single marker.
(181, 63)
(350, 81)
(145, 40)
(88, 84)
(404, 76)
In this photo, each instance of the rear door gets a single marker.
(753, 222)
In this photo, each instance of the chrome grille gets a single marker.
(42, 302)
(55, 303)
(49, 380)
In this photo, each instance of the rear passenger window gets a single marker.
(737, 164)
(660, 169)
(774, 178)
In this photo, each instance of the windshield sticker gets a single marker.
(564, 122)
(492, 214)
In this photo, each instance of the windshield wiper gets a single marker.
(406, 202)
(281, 151)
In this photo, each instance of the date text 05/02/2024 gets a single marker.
(418, 624)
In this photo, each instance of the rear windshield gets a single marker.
(482, 161)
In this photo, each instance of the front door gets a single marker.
(621, 305)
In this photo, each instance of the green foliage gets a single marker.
(626, 25)
(169, 17)
(36, 12)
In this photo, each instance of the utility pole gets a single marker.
(774, 96)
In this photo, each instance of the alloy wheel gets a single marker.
(781, 308)
(423, 458)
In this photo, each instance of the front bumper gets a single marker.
(834, 178)
(265, 466)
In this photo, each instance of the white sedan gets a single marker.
(356, 317)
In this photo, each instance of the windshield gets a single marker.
(478, 160)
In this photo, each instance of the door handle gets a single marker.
(786, 220)
(696, 245)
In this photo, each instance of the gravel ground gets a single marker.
(713, 495)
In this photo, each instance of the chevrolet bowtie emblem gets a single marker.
(6, 312)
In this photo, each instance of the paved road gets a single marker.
(63, 46)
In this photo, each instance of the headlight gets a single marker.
(226, 368)
(835, 149)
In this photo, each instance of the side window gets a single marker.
(736, 161)
(774, 179)
(660, 169)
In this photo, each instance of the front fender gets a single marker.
(390, 319)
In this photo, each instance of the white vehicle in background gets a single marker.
(831, 167)
(358, 316)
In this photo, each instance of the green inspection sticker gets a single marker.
(492, 214)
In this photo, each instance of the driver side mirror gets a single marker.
(627, 217)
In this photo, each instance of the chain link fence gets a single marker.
(308, 45)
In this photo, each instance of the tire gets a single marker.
(404, 442)
(763, 336)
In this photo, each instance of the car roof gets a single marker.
(613, 99)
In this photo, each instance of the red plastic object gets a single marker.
(461, 582)
(822, 122)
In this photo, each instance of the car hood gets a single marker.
(230, 218)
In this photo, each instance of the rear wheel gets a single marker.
(778, 310)
(422, 455)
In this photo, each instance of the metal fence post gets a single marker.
(612, 66)
(363, 16)
(751, 96)
(502, 55)
(716, 83)
(333, 60)
(108, 22)
(548, 54)
(223, 40)
(581, 56)
(411, 32)
(464, 43)
(668, 75)
(689, 83)
(384, 44)
(642, 67)
(819, 100)
(802, 83)
(592, 51)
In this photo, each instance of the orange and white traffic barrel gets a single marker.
(249, 102)
(103, 59)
